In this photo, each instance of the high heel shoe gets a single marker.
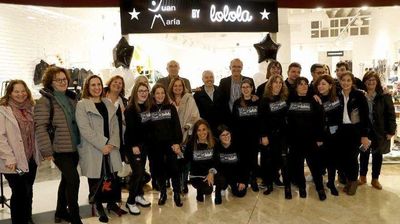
(163, 198)
(177, 200)
(116, 209)
(102, 214)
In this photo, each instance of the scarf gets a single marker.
(24, 116)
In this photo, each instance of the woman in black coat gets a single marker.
(325, 87)
(305, 128)
(165, 135)
(272, 113)
(382, 129)
(245, 130)
(353, 129)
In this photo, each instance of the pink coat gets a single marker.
(11, 145)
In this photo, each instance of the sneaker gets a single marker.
(140, 200)
(133, 209)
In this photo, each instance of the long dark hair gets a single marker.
(86, 93)
(153, 93)
(195, 138)
(332, 92)
(133, 100)
(271, 64)
(283, 94)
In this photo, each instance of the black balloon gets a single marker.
(122, 53)
(267, 49)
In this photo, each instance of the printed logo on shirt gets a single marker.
(300, 107)
(161, 115)
(328, 106)
(201, 155)
(145, 116)
(228, 158)
(248, 111)
(276, 106)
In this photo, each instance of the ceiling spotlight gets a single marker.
(364, 8)
(318, 9)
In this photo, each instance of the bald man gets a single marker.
(173, 72)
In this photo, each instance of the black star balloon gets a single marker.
(122, 53)
(267, 49)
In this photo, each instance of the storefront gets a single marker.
(82, 35)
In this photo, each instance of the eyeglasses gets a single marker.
(143, 91)
(60, 80)
(225, 135)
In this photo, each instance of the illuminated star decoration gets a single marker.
(134, 14)
(265, 15)
(267, 49)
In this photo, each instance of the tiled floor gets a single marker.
(367, 206)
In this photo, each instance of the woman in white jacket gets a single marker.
(19, 157)
(99, 149)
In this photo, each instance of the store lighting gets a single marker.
(364, 8)
(318, 9)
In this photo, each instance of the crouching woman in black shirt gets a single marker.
(229, 168)
(202, 157)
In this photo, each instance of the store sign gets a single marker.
(334, 53)
(175, 16)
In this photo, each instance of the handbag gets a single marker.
(108, 189)
(51, 129)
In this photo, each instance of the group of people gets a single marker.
(210, 138)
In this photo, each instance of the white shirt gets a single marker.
(346, 118)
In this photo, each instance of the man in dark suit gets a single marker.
(230, 86)
(208, 100)
(173, 72)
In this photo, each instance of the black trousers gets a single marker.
(274, 158)
(305, 149)
(201, 186)
(376, 163)
(136, 181)
(249, 156)
(22, 194)
(331, 156)
(349, 141)
(223, 180)
(69, 185)
(166, 166)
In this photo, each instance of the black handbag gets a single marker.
(51, 129)
(108, 189)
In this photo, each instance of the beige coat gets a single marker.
(11, 146)
(188, 113)
(91, 128)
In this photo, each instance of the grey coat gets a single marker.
(90, 123)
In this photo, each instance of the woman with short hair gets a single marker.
(383, 127)
(61, 144)
(353, 129)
